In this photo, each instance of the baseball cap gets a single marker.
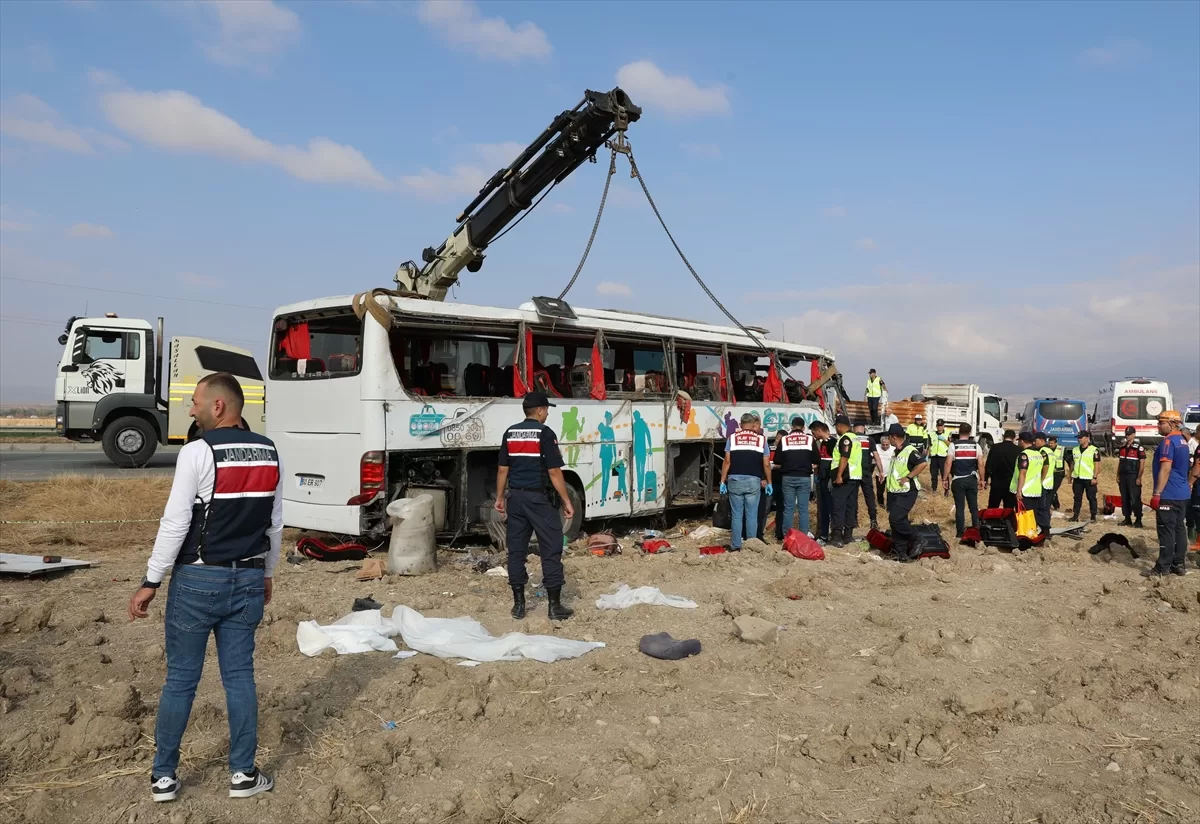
(1025, 437)
(941, 422)
(842, 419)
(1083, 433)
(1131, 430)
(1039, 434)
(536, 400)
(896, 429)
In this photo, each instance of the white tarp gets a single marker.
(625, 597)
(444, 637)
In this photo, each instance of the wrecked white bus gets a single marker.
(363, 413)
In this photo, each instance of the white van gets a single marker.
(1135, 402)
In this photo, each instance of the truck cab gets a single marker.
(110, 387)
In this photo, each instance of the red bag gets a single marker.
(653, 547)
(800, 545)
(711, 550)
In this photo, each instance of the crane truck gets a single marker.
(110, 386)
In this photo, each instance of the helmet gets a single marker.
(1171, 415)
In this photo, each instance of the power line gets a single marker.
(134, 294)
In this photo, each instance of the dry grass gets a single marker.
(47, 422)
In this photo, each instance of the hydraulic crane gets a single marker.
(571, 138)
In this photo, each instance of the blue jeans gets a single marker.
(228, 603)
(797, 490)
(743, 506)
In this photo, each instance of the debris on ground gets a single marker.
(626, 597)
(662, 645)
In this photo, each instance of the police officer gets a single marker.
(1131, 459)
(868, 473)
(1083, 474)
(939, 448)
(1059, 454)
(963, 471)
(1026, 482)
(902, 489)
(874, 394)
(917, 433)
(1042, 444)
(847, 475)
(531, 472)
(824, 447)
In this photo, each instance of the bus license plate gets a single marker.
(310, 482)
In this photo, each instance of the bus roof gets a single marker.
(608, 320)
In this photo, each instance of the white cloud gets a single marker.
(29, 118)
(463, 26)
(562, 209)
(176, 121)
(248, 34)
(14, 226)
(102, 78)
(866, 244)
(677, 95)
(462, 180)
(612, 289)
(1114, 52)
(202, 281)
(704, 150)
(834, 211)
(89, 230)
(499, 155)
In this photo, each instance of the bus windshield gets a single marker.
(1060, 410)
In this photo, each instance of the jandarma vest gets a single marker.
(233, 525)
(746, 453)
(966, 458)
(795, 453)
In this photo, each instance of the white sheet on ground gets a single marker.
(444, 637)
(625, 597)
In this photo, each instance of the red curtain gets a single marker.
(523, 367)
(724, 380)
(599, 390)
(814, 374)
(773, 386)
(295, 343)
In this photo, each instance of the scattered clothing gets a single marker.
(626, 597)
(662, 645)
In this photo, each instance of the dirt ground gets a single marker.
(1051, 686)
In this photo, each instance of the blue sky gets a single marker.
(1007, 194)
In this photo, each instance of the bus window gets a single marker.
(634, 367)
(553, 360)
(464, 365)
(1060, 410)
(314, 348)
(747, 377)
(699, 374)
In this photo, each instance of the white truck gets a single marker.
(958, 403)
(110, 386)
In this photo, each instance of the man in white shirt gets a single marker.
(219, 538)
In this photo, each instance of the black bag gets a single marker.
(928, 542)
(722, 514)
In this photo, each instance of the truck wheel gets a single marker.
(985, 442)
(130, 441)
(573, 527)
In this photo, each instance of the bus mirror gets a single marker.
(1021, 416)
(62, 340)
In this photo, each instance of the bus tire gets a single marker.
(573, 527)
(130, 441)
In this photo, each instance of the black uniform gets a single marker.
(824, 488)
(1001, 462)
(964, 482)
(868, 478)
(900, 504)
(1129, 472)
(529, 449)
(845, 494)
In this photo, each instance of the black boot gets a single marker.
(874, 524)
(518, 610)
(557, 611)
(1127, 522)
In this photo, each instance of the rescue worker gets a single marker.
(846, 479)
(868, 473)
(1131, 459)
(939, 448)
(744, 477)
(874, 393)
(963, 472)
(1042, 444)
(1083, 473)
(999, 468)
(796, 455)
(918, 434)
(1027, 482)
(531, 474)
(1059, 468)
(1171, 494)
(825, 444)
(902, 485)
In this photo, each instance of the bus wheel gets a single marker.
(130, 441)
(573, 527)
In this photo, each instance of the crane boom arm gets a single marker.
(570, 139)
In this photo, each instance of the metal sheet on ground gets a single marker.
(27, 565)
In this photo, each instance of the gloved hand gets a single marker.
(770, 490)
(1154, 501)
(724, 489)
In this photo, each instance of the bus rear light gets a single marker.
(372, 478)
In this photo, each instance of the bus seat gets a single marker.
(422, 378)
(502, 386)
(439, 372)
(311, 366)
(343, 362)
(475, 380)
(656, 382)
(541, 380)
(706, 387)
(556, 378)
(581, 381)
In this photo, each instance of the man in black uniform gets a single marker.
(1001, 463)
(868, 473)
(845, 465)
(824, 447)
(531, 471)
(1131, 458)
(902, 485)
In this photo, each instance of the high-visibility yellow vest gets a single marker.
(1048, 461)
(916, 431)
(1085, 462)
(940, 444)
(1033, 475)
(874, 387)
(900, 467)
(854, 461)
(1059, 458)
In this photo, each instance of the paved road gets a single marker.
(37, 462)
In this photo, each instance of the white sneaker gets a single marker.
(165, 788)
(245, 785)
